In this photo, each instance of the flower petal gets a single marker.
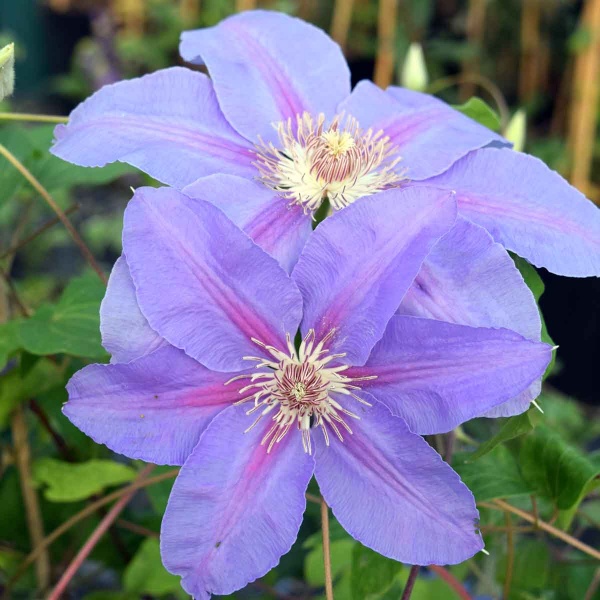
(438, 375)
(529, 209)
(268, 67)
(358, 264)
(153, 408)
(269, 220)
(167, 124)
(471, 280)
(393, 493)
(234, 509)
(126, 334)
(203, 284)
(429, 134)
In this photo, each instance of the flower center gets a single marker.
(340, 162)
(305, 389)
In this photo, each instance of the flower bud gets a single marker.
(516, 130)
(414, 71)
(7, 70)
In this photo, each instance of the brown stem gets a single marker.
(97, 534)
(15, 295)
(85, 251)
(594, 585)
(454, 583)
(30, 499)
(82, 514)
(326, 550)
(561, 535)
(135, 528)
(58, 440)
(510, 555)
(410, 582)
(14, 248)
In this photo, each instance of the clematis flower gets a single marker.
(278, 110)
(215, 381)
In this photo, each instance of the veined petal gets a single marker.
(358, 264)
(429, 134)
(278, 227)
(438, 375)
(202, 283)
(528, 208)
(269, 67)
(126, 334)
(393, 493)
(167, 124)
(153, 408)
(471, 280)
(235, 509)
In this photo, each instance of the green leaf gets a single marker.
(555, 469)
(9, 341)
(536, 285)
(145, 573)
(511, 428)
(341, 562)
(31, 146)
(495, 475)
(531, 567)
(69, 482)
(71, 326)
(480, 111)
(18, 385)
(372, 574)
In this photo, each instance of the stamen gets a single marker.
(341, 162)
(300, 386)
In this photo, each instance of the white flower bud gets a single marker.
(414, 74)
(7, 71)
(516, 130)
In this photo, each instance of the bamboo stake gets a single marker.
(529, 70)
(584, 103)
(386, 39)
(341, 21)
(475, 32)
(241, 5)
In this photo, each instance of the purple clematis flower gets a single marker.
(278, 111)
(194, 304)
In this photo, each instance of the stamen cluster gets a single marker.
(340, 162)
(300, 386)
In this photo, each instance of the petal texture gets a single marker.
(391, 491)
(153, 408)
(203, 284)
(358, 264)
(529, 209)
(269, 220)
(429, 134)
(471, 280)
(268, 67)
(438, 375)
(167, 124)
(234, 509)
(126, 334)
